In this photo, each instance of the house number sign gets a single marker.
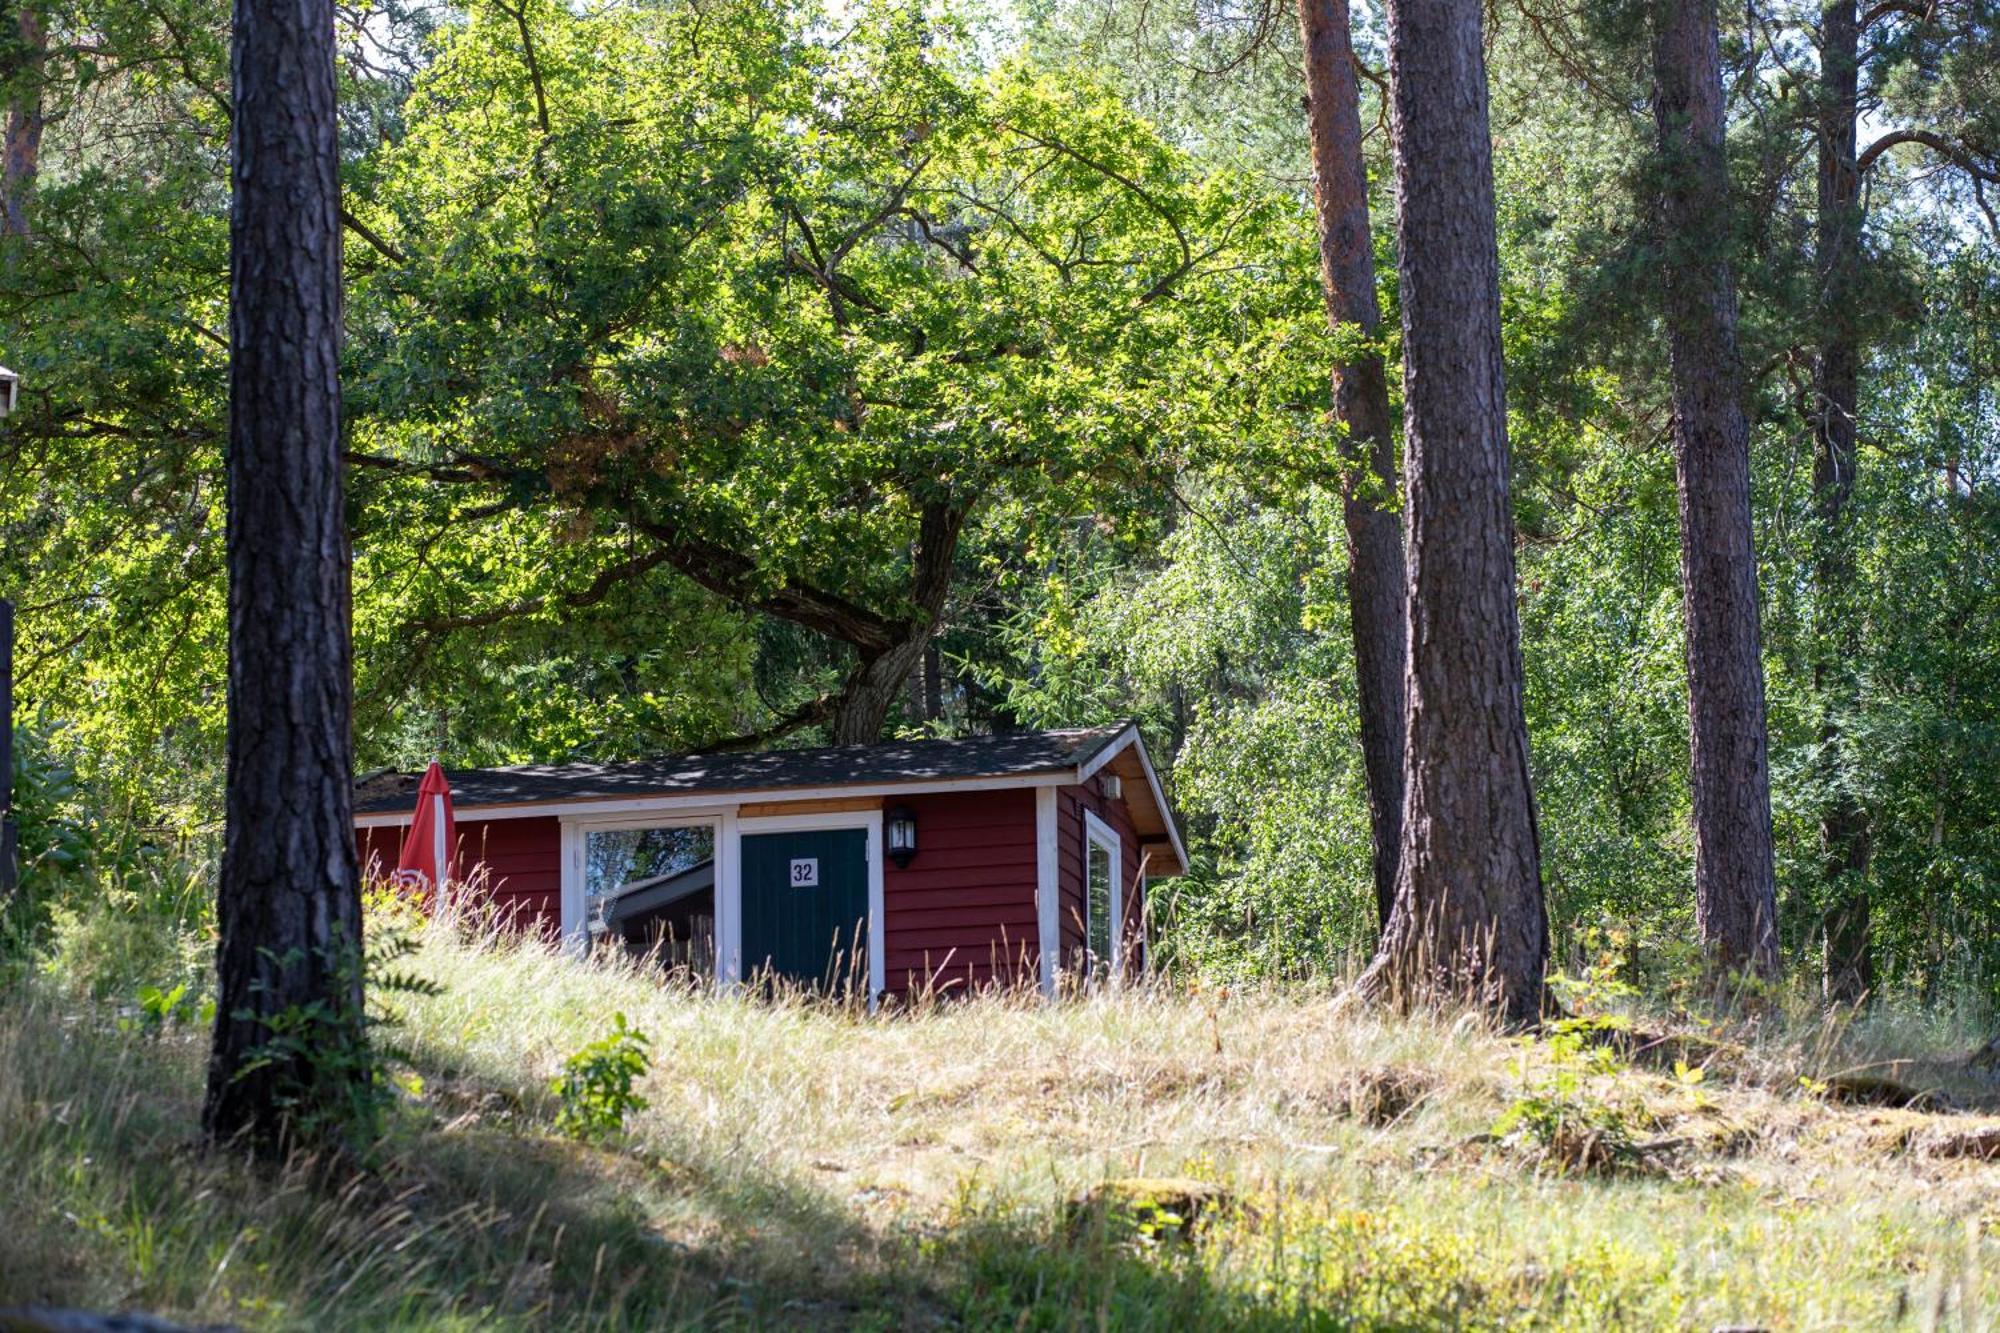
(805, 872)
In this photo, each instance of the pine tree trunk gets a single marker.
(1844, 833)
(21, 154)
(1375, 597)
(1469, 922)
(288, 903)
(1735, 879)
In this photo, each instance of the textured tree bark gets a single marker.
(1735, 880)
(1375, 594)
(1469, 923)
(21, 155)
(933, 673)
(1844, 835)
(862, 706)
(288, 902)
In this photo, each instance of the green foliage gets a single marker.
(52, 823)
(336, 1084)
(1562, 1112)
(636, 395)
(132, 913)
(776, 308)
(54, 838)
(1567, 1112)
(156, 1010)
(594, 1093)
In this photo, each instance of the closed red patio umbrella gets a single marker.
(433, 837)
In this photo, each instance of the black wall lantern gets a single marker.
(902, 834)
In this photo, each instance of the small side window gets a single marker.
(1100, 900)
(1100, 906)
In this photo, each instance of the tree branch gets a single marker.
(361, 229)
(731, 574)
(1144, 195)
(1908, 8)
(599, 588)
(819, 710)
(1955, 153)
(520, 17)
(435, 471)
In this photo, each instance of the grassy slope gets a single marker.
(802, 1165)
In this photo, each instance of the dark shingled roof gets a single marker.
(1015, 754)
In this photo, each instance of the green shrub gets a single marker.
(121, 921)
(340, 1083)
(1562, 1115)
(594, 1091)
(155, 1010)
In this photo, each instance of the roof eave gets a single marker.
(726, 796)
(1128, 737)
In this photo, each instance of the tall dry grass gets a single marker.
(802, 1163)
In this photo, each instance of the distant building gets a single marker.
(907, 866)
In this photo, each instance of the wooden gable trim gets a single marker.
(1125, 754)
(832, 805)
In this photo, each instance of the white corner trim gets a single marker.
(1098, 833)
(575, 930)
(728, 902)
(1048, 896)
(878, 911)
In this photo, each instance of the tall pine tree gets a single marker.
(1375, 600)
(1468, 921)
(289, 904)
(1735, 880)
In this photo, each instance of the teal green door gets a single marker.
(805, 906)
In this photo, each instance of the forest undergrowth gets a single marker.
(1167, 1156)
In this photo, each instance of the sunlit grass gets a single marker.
(808, 1164)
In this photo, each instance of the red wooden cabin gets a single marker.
(943, 864)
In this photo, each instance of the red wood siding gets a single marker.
(378, 849)
(514, 863)
(1071, 802)
(962, 914)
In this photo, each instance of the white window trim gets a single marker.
(1048, 888)
(576, 841)
(1097, 833)
(731, 889)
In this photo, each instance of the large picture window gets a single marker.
(615, 858)
(651, 891)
